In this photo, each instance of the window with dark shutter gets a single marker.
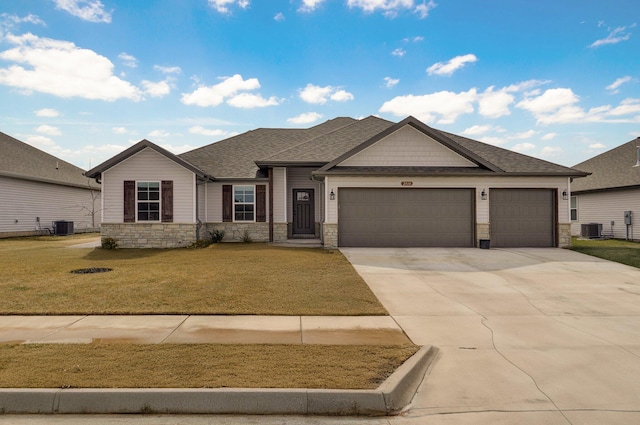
(227, 202)
(167, 201)
(261, 203)
(129, 201)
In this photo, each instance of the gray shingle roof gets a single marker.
(611, 169)
(21, 160)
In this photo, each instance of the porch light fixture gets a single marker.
(483, 195)
(565, 195)
(332, 195)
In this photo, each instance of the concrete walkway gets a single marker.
(186, 329)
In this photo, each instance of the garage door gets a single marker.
(522, 217)
(406, 217)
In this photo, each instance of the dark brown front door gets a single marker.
(303, 212)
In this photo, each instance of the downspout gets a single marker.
(270, 204)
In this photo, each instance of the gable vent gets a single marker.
(638, 156)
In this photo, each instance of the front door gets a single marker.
(303, 212)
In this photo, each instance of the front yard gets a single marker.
(625, 252)
(36, 278)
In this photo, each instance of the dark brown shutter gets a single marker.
(227, 202)
(129, 201)
(167, 201)
(261, 203)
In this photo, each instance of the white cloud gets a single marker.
(250, 101)
(495, 141)
(550, 151)
(615, 36)
(49, 130)
(198, 129)
(523, 147)
(495, 104)
(159, 89)
(523, 135)
(597, 146)
(390, 8)
(128, 60)
(47, 113)
(216, 94)
(9, 22)
(613, 87)
(390, 82)
(443, 106)
(159, 133)
(627, 107)
(168, 69)
(222, 6)
(548, 136)
(399, 52)
(477, 129)
(62, 69)
(306, 118)
(89, 10)
(320, 95)
(309, 5)
(451, 66)
(279, 17)
(119, 130)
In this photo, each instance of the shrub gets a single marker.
(217, 235)
(246, 238)
(109, 243)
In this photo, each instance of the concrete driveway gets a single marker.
(527, 336)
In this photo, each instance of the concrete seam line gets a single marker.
(56, 401)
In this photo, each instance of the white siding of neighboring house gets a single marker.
(478, 183)
(22, 201)
(605, 207)
(300, 178)
(407, 147)
(149, 165)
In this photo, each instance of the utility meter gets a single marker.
(628, 218)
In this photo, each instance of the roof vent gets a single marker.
(638, 156)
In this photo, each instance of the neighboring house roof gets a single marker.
(96, 172)
(613, 169)
(23, 161)
(247, 155)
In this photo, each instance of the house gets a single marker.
(37, 189)
(347, 182)
(609, 198)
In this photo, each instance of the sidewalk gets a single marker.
(188, 329)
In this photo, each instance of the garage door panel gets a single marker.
(406, 217)
(522, 217)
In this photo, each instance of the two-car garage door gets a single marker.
(385, 217)
(407, 217)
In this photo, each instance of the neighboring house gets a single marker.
(612, 189)
(37, 189)
(347, 182)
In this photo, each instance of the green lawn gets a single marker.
(227, 278)
(620, 251)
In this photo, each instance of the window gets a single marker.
(574, 208)
(148, 200)
(243, 203)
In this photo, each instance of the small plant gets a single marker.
(109, 243)
(246, 238)
(217, 235)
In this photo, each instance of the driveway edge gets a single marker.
(390, 398)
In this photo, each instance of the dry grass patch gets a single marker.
(36, 278)
(198, 366)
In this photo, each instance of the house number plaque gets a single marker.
(406, 183)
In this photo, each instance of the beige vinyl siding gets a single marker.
(279, 195)
(300, 178)
(149, 165)
(479, 183)
(605, 207)
(408, 147)
(202, 201)
(24, 200)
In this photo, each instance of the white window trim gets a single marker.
(233, 194)
(571, 209)
(159, 220)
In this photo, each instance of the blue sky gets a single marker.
(85, 79)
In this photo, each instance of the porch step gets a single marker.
(302, 243)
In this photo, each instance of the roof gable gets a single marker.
(21, 160)
(407, 147)
(611, 169)
(97, 171)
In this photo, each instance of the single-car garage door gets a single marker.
(522, 217)
(406, 217)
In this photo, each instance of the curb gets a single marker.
(390, 398)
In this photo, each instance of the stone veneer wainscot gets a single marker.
(150, 235)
